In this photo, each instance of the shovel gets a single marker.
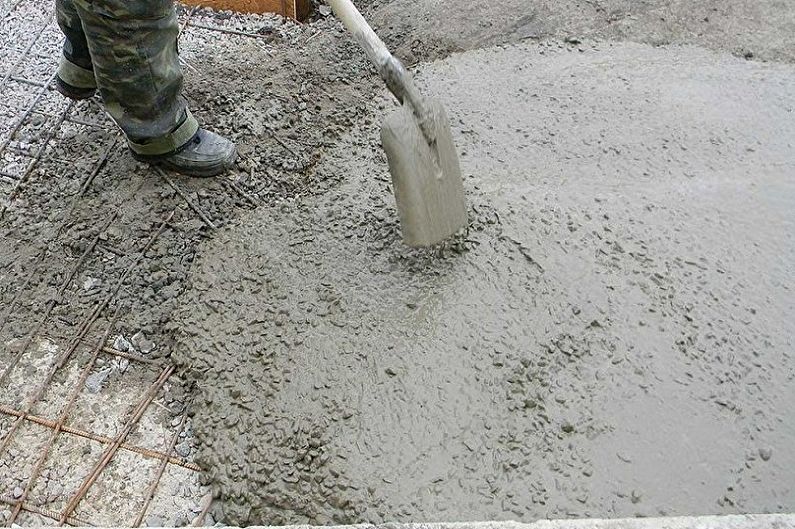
(426, 175)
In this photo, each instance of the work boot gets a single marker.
(206, 154)
(73, 92)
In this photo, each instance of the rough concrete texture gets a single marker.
(44, 232)
(611, 337)
(686, 409)
(753, 521)
(746, 521)
(86, 195)
(423, 29)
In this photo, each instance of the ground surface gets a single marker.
(612, 337)
(87, 235)
(613, 334)
(423, 29)
(767, 521)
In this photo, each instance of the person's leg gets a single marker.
(133, 48)
(75, 77)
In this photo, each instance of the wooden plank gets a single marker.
(302, 8)
(295, 9)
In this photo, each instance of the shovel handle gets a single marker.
(392, 71)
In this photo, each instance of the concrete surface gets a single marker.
(648, 366)
(751, 521)
(744, 521)
(611, 337)
(430, 29)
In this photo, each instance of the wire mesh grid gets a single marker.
(44, 379)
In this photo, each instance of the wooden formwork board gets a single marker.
(297, 9)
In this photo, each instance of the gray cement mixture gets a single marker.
(420, 30)
(620, 181)
(612, 335)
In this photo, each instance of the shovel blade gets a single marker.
(426, 178)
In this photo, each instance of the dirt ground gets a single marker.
(611, 336)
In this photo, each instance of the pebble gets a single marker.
(95, 380)
(17, 492)
(183, 449)
(142, 344)
(122, 344)
(90, 283)
(635, 497)
(623, 457)
(154, 521)
(122, 364)
(181, 519)
(765, 453)
(55, 490)
(114, 232)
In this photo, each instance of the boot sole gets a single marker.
(74, 95)
(198, 172)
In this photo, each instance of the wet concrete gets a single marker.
(420, 30)
(753, 521)
(76, 227)
(612, 336)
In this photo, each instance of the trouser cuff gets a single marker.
(74, 75)
(169, 143)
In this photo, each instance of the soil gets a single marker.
(611, 336)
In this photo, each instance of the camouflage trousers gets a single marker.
(128, 50)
